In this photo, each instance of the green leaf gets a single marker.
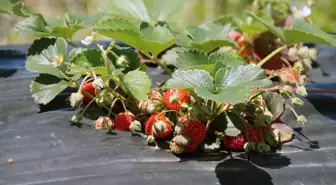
(170, 57)
(5, 6)
(65, 32)
(231, 130)
(85, 59)
(39, 45)
(34, 24)
(46, 87)
(21, 10)
(159, 10)
(138, 83)
(275, 103)
(148, 39)
(195, 59)
(74, 20)
(225, 59)
(207, 37)
(88, 59)
(191, 79)
(269, 25)
(234, 119)
(220, 123)
(228, 19)
(45, 62)
(150, 11)
(75, 52)
(157, 38)
(234, 83)
(303, 31)
(230, 85)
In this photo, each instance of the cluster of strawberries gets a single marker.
(291, 65)
(186, 133)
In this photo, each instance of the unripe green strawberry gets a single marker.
(104, 98)
(122, 61)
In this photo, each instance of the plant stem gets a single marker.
(293, 110)
(164, 67)
(112, 105)
(114, 54)
(271, 55)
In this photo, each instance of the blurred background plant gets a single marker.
(194, 12)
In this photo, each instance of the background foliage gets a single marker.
(195, 12)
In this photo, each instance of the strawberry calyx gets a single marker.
(174, 98)
(161, 129)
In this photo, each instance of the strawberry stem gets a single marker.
(293, 110)
(111, 107)
(155, 59)
(83, 82)
(271, 55)
(87, 106)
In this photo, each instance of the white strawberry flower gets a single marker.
(300, 10)
(89, 39)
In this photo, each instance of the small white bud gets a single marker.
(76, 99)
(301, 90)
(98, 83)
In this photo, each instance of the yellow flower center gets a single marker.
(59, 60)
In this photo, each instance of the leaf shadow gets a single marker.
(241, 172)
(313, 145)
(270, 160)
(5, 73)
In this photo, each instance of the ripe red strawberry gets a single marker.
(173, 98)
(234, 35)
(89, 88)
(191, 148)
(123, 120)
(241, 42)
(255, 135)
(196, 131)
(240, 39)
(158, 126)
(235, 143)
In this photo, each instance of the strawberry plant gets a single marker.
(228, 79)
